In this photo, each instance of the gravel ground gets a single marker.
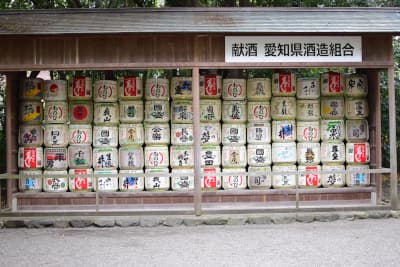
(339, 243)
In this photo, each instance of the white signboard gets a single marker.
(293, 49)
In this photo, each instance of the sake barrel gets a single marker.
(80, 112)
(131, 157)
(31, 89)
(356, 108)
(107, 180)
(211, 179)
(182, 180)
(181, 88)
(308, 131)
(234, 181)
(310, 178)
(181, 111)
(259, 133)
(308, 110)
(106, 113)
(332, 84)
(131, 111)
(283, 108)
(55, 90)
(80, 88)
(356, 85)
(30, 181)
(258, 89)
(333, 152)
(357, 176)
(234, 156)
(157, 88)
(260, 179)
(55, 181)
(308, 153)
(80, 156)
(156, 156)
(210, 110)
(332, 130)
(282, 179)
(156, 133)
(56, 112)
(30, 135)
(259, 155)
(30, 112)
(284, 153)
(210, 155)
(258, 111)
(55, 158)
(210, 86)
(357, 130)
(234, 111)
(233, 134)
(30, 157)
(105, 158)
(181, 134)
(358, 152)
(80, 134)
(131, 180)
(105, 91)
(105, 136)
(158, 181)
(283, 84)
(332, 108)
(156, 111)
(210, 133)
(334, 177)
(56, 135)
(234, 89)
(81, 180)
(284, 131)
(131, 134)
(181, 156)
(130, 87)
(308, 88)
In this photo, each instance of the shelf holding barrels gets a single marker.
(257, 125)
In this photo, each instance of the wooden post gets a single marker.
(12, 106)
(394, 201)
(196, 134)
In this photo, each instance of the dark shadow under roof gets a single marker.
(200, 20)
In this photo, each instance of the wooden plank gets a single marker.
(394, 200)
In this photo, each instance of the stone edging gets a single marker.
(190, 220)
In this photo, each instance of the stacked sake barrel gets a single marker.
(283, 113)
(210, 124)
(259, 132)
(30, 140)
(55, 136)
(105, 135)
(344, 140)
(80, 133)
(181, 150)
(157, 134)
(234, 117)
(357, 133)
(131, 134)
(308, 131)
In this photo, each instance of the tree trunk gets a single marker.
(228, 3)
(244, 3)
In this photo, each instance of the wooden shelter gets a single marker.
(194, 39)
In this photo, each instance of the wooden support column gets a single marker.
(394, 201)
(374, 122)
(12, 106)
(196, 134)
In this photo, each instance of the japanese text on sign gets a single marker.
(293, 49)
